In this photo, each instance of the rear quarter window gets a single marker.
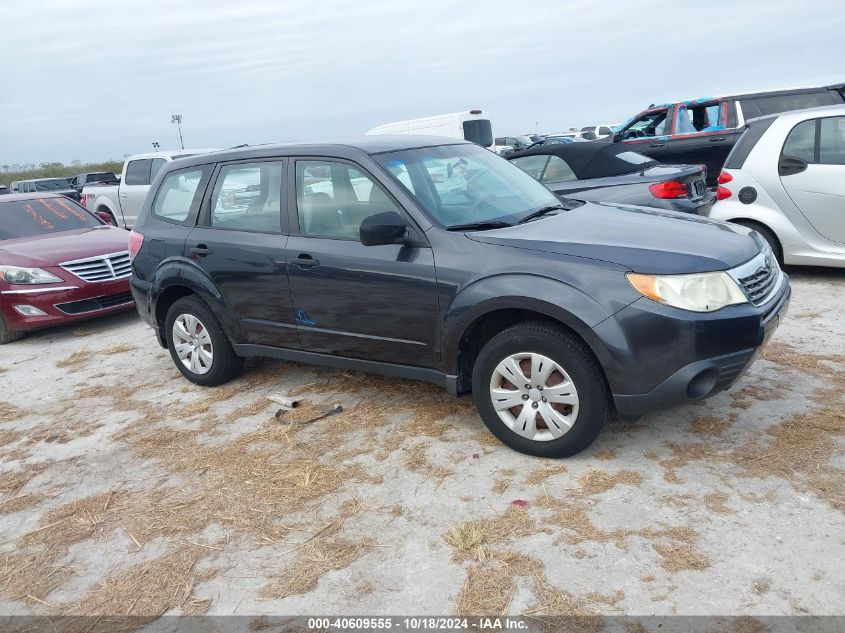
(179, 195)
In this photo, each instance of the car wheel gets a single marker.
(198, 345)
(540, 390)
(769, 236)
(7, 335)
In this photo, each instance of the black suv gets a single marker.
(436, 260)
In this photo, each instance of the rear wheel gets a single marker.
(198, 345)
(7, 335)
(767, 234)
(540, 391)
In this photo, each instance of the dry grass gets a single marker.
(596, 481)
(539, 475)
(9, 412)
(77, 358)
(466, 536)
(681, 557)
(717, 502)
(762, 585)
(606, 456)
(119, 348)
(500, 486)
(11, 482)
(316, 560)
(791, 356)
(418, 461)
(3, 370)
(710, 425)
(147, 591)
(487, 590)
(22, 502)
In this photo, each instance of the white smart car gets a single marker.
(785, 178)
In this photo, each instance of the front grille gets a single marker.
(97, 303)
(102, 268)
(761, 282)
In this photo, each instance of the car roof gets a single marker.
(172, 153)
(12, 197)
(374, 144)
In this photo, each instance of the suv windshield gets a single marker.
(465, 184)
(23, 218)
(56, 184)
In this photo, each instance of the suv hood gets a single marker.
(641, 239)
(39, 251)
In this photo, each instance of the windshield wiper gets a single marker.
(542, 211)
(480, 226)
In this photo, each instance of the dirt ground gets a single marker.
(126, 490)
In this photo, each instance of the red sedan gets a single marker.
(58, 263)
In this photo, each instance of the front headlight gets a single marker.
(701, 292)
(19, 275)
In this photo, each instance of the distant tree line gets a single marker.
(8, 173)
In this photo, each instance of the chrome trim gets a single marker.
(117, 305)
(753, 265)
(29, 291)
(86, 260)
(102, 262)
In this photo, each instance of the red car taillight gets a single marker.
(135, 241)
(669, 189)
(722, 193)
(725, 177)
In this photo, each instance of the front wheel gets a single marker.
(198, 345)
(540, 390)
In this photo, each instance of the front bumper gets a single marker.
(662, 357)
(66, 302)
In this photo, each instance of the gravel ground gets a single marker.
(124, 489)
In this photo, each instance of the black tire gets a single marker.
(7, 335)
(573, 356)
(225, 363)
(768, 235)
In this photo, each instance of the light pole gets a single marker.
(156, 145)
(177, 119)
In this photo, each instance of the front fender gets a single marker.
(552, 298)
(182, 272)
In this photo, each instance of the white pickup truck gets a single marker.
(124, 200)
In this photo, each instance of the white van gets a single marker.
(471, 125)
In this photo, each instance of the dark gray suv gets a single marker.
(436, 260)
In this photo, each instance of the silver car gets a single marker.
(785, 178)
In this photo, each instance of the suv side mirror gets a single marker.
(383, 228)
(789, 165)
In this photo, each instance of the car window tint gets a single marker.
(334, 198)
(176, 195)
(785, 103)
(400, 171)
(832, 141)
(605, 131)
(137, 172)
(532, 165)
(23, 218)
(247, 197)
(801, 141)
(558, 170)
(155, 166)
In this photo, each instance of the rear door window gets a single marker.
(832, 141)
(178, 197)
(694, 118)
(138, 172)
(248, 197)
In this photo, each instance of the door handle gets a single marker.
(201, 250)
(717, 139)
(305, 261)
(657, 145)
(124, 195)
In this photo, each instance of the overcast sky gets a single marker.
(98, 80)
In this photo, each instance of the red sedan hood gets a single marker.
(51, 250)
